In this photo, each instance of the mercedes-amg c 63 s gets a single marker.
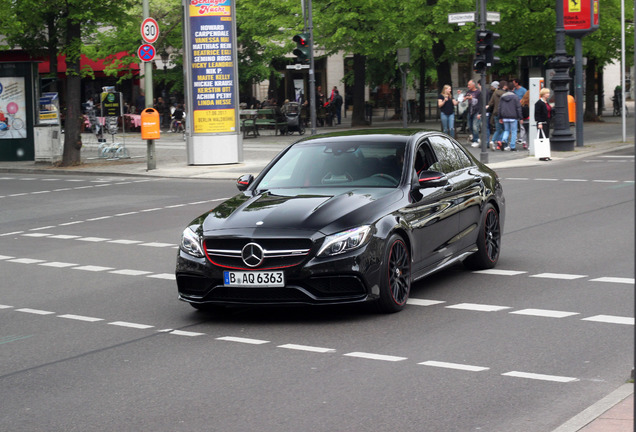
(342, 218)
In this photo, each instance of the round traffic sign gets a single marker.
(146, 52)
(150, 30)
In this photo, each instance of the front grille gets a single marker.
(335, 286)
(257, 295)
(278, 253)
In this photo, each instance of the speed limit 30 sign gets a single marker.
(149, 30)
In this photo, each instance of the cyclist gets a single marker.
(177, 119)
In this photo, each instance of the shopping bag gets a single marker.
(541, 146)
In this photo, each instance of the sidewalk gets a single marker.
(614, 413)
(171, 155)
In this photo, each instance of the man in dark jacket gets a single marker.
(509, 115)
(501, 87)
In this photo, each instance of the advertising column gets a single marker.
(213, 134)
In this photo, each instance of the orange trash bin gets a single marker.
(150, 124)
(571, 109)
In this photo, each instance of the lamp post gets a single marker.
(561, 138)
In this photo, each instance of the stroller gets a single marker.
(294, 123)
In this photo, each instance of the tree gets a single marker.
(60, 27)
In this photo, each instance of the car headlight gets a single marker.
(191, 243)
(345, 241)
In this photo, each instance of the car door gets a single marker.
(467, 188)
(431, 215)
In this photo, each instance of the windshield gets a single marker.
(346, 164)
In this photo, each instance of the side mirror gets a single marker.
(430, 179)
(244, 181)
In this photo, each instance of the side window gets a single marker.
(466, 161)
(447, 156)
(424, 157)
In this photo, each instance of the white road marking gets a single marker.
(371, 356)
(130, 325)
(545, 313)
(614, 280)
(58, 264)
(610, 319)
(575, 180)
(562, 276)
(5, 306)
(478, 307)
(166, 276)
(26, 261)
(457, 366)
(80, 318)
(555, 378)
(129, 272)
(5, 257)
(71, 223)
(41, 228)
(605, 181)
(125, 242)
(93, 239)
(242, 340)
(92, 268)
(99, 218)
(36, 235)
(35, 311)
(307, 348)
(185, 333)
(423, 302)
(64, 236)
(497, 272)
(157, 244)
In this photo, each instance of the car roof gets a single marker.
(391, 134)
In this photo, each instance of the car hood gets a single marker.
(306, 209)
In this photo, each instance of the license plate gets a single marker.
(254, 279)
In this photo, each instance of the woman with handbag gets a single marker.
(543, 111)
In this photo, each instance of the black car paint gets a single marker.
(438, 221)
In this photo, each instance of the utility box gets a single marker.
(48, 144)
(150, 124)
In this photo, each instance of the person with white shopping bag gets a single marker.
(542, 115)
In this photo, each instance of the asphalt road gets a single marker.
(93, 338)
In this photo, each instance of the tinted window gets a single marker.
(447, 158)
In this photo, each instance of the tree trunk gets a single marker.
(422, 90)
(590, 93)
(359, 81)
(443, 67)
(74, 118)
(52, 48)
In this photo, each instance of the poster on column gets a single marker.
(12, 108)
(212, 68)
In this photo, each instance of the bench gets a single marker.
(248, 122)
(267, 118)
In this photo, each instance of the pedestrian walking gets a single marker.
(474, 112)
(509, 115)
(517, 88)
(446, 105)
(337, 103)
(501, 87)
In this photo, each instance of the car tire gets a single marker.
(488, 241)
(395, 282)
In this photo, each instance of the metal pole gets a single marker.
(623, 70)
(561, 139)
(578, 78)
(483, 155)
(150, 150)
(312, 77)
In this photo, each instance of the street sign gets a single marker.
(146, 52)
(461, 18)
(297, 66)
(493, 17)
(149, 30)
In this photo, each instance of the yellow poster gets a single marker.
(574, 5)
(214, 121)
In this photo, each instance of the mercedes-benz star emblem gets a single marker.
(252, 255)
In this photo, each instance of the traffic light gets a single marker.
(491, 48)
(481, 47)
(302, 51)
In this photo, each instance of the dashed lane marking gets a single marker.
(541, 377)
(558, 276)
(80, 318)
(307, 348)
(35, 311)
(478, 307)
(610, 319)
(457, 366)
(545, 313)
(242, 340)
(130, 325)
(372, 356)
(614, 280)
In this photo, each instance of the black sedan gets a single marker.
(343, 218)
